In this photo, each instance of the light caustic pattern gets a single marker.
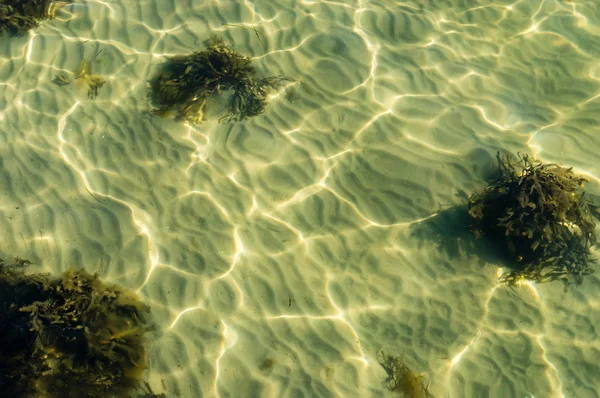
(280, 254)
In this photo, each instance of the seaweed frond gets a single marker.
(401, 378)
(95, 83)
(17, 17)
(84, 73)
(187, 82)
(541, 214)
(71, 336)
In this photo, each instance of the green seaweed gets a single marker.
(95, 83)
(401, 378)
(185, 83)
(542, 217)
(68, 336)
(17, 17)
(84, 72)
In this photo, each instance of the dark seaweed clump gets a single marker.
(70, 336)
(183, 87)
(401, 378)
(18, 17)
(541, 215)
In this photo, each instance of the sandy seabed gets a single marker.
(281, 253)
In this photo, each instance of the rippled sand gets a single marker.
(280, 254)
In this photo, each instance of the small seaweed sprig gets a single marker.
(401, 378)
(84, 72)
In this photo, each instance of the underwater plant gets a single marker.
(401, 378)
(68, 336)
(185, 84)
(541, 216)
(84, 71)
(18, 17)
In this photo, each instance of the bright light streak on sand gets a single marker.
(551, 372)
(142, 220)
(488, 120)
(111, 11)
(239, 250)
(333, 3)
(198, 307)
(288, 225)
(302, 195)
(371, 121)
(459, 356)
(210, 197)
(29, 48)
(282, 51)
(254, 205)
(373, 49)
(139, 217)
(230, 337)
(340, 316)
(430, 146)
(44, 238)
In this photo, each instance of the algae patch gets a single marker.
(185, 83)
(542, 217)
(83, 73)
(69, 336)
(17, 17)
(401, 378)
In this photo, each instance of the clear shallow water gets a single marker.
(281, 253)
